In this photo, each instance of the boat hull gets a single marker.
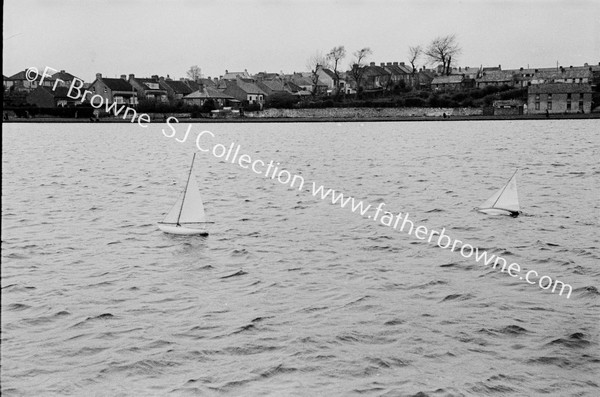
(183, 230)
(497, 211)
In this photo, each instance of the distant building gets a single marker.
(399, 72)
(559, 98)
(508, 107)
(199, 97)
(20, 83)
(176, 89)
(64, 78)
(423, 79)
(245, 91)
(375, 78)
(495, 78)
(232, 76)
(270, 87)
(454, 82)
(306, 84)
(148, 89)
(46, 97)
(114, 90)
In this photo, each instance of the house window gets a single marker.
(549, 105)
(568, 105)
(105, 90)
(568, 97)
(537, 106)
(581, 105)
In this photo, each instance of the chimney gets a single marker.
(124, 77)
(226, 71)
(401, 63)
(585, 64)
(62, 71)
(499, 67)
(98, 75)
(161, 79)
(389, 64)
(154, 77)
(521, 68)
(382, 64)
(395, 63)
(372, 64)
(571, 67)
(131, 76)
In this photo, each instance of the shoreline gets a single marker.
(317, 119)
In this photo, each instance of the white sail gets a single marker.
(192, 210)
(187, 215)
(506, 198)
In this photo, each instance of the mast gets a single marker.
(186, 187)
(500, 195)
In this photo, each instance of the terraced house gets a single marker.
(114, 90)
(559, 98)
(148, 88)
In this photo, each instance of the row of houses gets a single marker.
(234, 89)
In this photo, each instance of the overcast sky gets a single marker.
(147, 37)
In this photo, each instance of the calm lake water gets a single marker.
(291, 295)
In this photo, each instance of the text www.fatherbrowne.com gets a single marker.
(441, 239)
(397, 222)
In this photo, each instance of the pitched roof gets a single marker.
(496, 75)
(271, 85)
(377, 69)
(18, 76)
(248, 87)
(574, 73)
(233, 75)
(329, 72)
(117, 84)
(207, 82)
(208, 92)
(301, 80)
(64, 76)
(179, 87)
(558, 88)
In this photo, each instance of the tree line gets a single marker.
(442, 49)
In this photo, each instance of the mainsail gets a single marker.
(191, 210)
(506, 198)
(187, 211)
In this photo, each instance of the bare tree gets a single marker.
(335, 57)
(194, 73)
(443, 49)
(314, 63)
(413, 55)
(357, 66)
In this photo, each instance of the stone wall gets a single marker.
(360, 113)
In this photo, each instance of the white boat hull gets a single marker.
(497, 211)
(183, 230)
